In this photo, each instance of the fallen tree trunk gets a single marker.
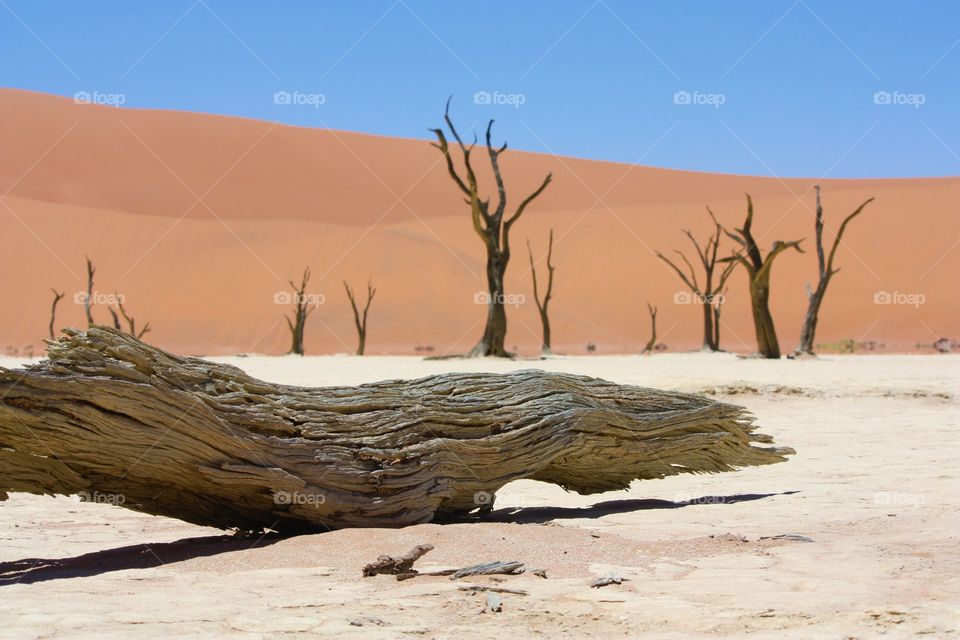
(119, 421)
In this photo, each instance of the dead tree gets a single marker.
(116, 319)
(88, 301)
(652, 343)
(547, 296)
(131, 323)
(300, 312)
(825, 272)
(88, 305)
(709, 296)
(111, 416)
(758, 270)
(491, 226)
(720, 298)
(397, 565)
(57, 297)
(360, 320)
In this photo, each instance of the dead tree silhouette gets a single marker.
(360, 320)
(709, 294)
(301, 310)
(652, 342)
(492, 225)
(547, 296)
(825, 272)
(57, 297)
(758, 269)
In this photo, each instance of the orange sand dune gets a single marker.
(199, 220)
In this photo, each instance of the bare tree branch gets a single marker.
(88, 301)
(131, 323)
(57, 296)
(652, 342)
(360, 320)
(543, 304)
(693, 286)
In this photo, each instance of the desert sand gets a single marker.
(199, 220)
(854, 537)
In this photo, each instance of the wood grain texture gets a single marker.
(117, 420)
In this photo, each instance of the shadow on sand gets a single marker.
(540, 515)
(148, 556)
(140, 556)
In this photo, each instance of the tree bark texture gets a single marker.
(117, 420)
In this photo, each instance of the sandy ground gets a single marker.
(870, 500)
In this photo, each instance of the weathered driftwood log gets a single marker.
(117, 420)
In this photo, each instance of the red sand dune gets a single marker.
(199, 220)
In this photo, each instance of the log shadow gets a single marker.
(140, 556)
(149, 556)
(541, 515)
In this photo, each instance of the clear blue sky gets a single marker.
(596, 79)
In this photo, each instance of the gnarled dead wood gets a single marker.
(394, 566)
(112, 417)
(758, 268)
(488, 569)
(482, 588)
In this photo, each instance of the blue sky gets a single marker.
(764, 87)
